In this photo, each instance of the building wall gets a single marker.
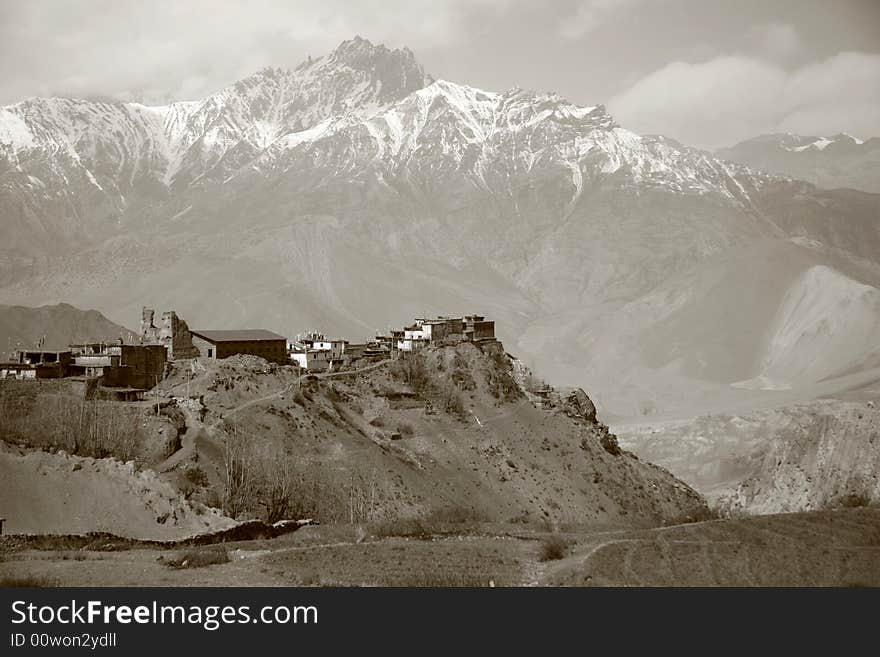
(484, 330)
(454, 326)
(411, 344)
(272, 350)
(147, 363)
(173, 334)
(22, 373)
(176, 336)
(96, 360)
(335, 347)
(314, 361)
(421, 333)
(205, 349)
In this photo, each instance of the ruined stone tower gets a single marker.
(174, 334)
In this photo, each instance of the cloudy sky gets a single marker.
(708, 72)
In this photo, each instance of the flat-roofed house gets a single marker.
(45, 364)
(477, 328)
(255, 342)
(335, 347)
(135, 366)
(312, 360)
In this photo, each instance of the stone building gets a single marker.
(256, 342)
(174, 334)
(134, 366)
(478, 329)
(39, 364)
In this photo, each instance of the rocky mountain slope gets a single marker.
(830, 162)
(825, 454)
(354, 190)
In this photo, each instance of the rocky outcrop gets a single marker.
(579, 405)
(821, 455)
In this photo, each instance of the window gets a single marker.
(210, 353)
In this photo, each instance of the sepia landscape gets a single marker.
(345, 323)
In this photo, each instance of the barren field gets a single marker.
(822, 548)
(831, 548)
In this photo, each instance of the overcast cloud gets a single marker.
(706, 72)
(730, 98)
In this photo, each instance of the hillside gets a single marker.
(830, 162)
(46, 493)
(60, 325)
(445, 431)
(278, 191)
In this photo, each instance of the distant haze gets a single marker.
(707, 73)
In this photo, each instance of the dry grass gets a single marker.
(25, 582)
(818, 548)
(82, 427)
(445, 520)
(403, 527)
(432, 579)
(201, 557)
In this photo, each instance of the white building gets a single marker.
(312, 360)
(335, 347)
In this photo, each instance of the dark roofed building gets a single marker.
(256, 342)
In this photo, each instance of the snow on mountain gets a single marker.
(358, 87)
(840, 160)
(230, 126)
(456, 127)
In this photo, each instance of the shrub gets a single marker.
(451, 515)
(406, 429)
(452, 400)
(413, 370)
(266, 481)
(499, 377)
(201, 557)
(82, 427)
(700, 513)
(404, 527)
(553, 548)
(851, 501)
(196, 476)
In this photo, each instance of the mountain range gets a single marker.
(837, 161)
(355, 191)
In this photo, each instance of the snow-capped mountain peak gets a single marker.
(363, 109)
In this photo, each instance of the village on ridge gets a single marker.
(126, 370)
